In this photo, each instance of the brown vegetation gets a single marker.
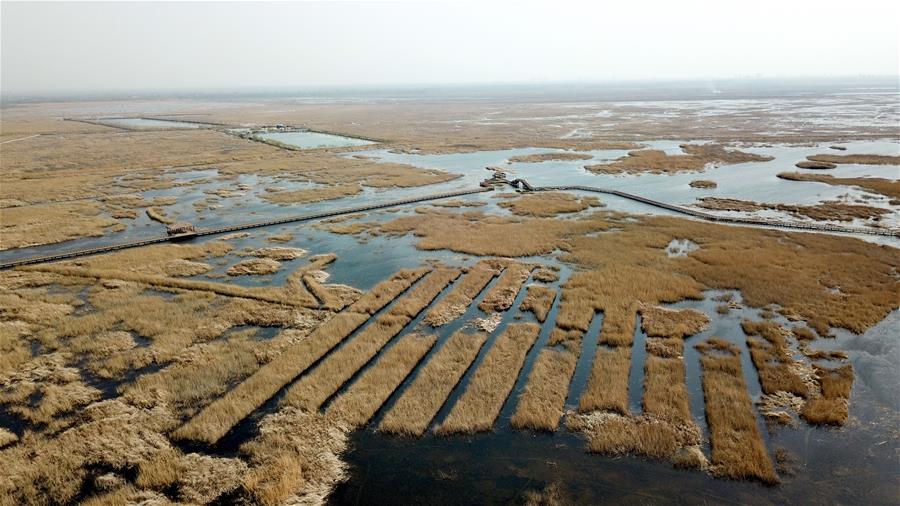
(502, 295)
(538, 299)
(454, 304)
(773, 358)
(51, 223)
(490, 385)
(836, 211)
(359, 403)
(661, 322)
(808, 164)
(254, 266)
(860, 159)
(422, 400)
(696, 158)
(607, 387)
(547, 204)
(216, 419)
(887, 187)
(737, 447)
(550, 157)
(832, 407)
(316, 387)
(615, 434)
(703, 183)
(541, 402)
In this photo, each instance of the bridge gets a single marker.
(485, 186)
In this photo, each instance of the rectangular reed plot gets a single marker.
(772, 358)
(607, 386)
(833, 407)
(361, 401)
(538, 300)
(541, 404)
(492, 382)
(737, 446)
(316, 387)
(455, 303)
(422, 400)
(220, 416)
(665, 390)
(502, 295)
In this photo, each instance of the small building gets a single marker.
(181, 228)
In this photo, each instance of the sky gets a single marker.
(54, 48)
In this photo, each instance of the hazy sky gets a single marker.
(59, 47)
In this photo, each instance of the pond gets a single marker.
(151, 124)
(306, 139)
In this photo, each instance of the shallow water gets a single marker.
(308, 140)
(150, 124)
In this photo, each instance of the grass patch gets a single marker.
(661, 322)
(312, 390)
(422, 400)
(480, 404)
(607, 387)
(737, 447)
(454, 304)
(550, 157)
(858, 159)
(696, 158)
(502, 295)
(773, 358)
(832, 408)
(538, 300)
(359, 403)
(548, 204)
(219, 417)
(887, 187)
(540, 405)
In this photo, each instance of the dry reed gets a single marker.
(479, 405)
(737, 447)
(454, 304)
(607, 387)
(540, 405)
(361, 401)
(502, 295)
(219, 417)
(538, 300)
(422, 400)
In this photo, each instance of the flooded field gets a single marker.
(500, 347)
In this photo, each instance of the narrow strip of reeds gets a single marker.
(772, 359)
(618, 326)
(454, 304)
(311, 391)
(361, 401)
(541, 404)
(480, 404)
(607, 386)
(422, 400)
(502, 295)
(737, 446)
(538, 300)
(220, 416)
(262, 294)
(665, 391)
(326, 299)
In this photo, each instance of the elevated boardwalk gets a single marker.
(486, 186)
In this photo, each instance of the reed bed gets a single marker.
(502, 295)
(833, 407)
(480, 404)
(548, 204)
(661, 322)
(858, 159)
(311, 391)
(550, 157)
(616, 434)
(773, 359)
(220, 416)
(695, 159)
(607, 386)
(158, 214)
(454, 304)
(361, 401)
(276, 296)
(541, 403)
(887, 187)
(665, 390)
(737, 446)
(538, 300)
(422, 400)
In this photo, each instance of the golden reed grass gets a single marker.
(219, 417)
(737, 446)
(502, 295)
(833, 407)
(480, 404)
(454, 304)
(422, 400)
(538, 300)
(312, 390)
(540, 406)
(361, 401)
(607, 386)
